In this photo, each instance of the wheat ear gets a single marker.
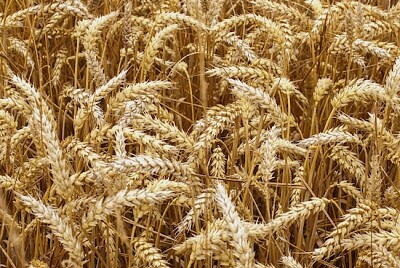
(59, 226)
(240, 242)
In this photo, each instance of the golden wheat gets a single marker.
(188, 133)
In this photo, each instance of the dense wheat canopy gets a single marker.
(199, 133)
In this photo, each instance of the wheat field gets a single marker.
(199, 133)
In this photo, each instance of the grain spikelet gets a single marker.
(288, 88)
(43, 125)
(290, 262)
(151, 164)
(166, 131)
(51, 24)
(8, 127)
(59, 226)
(131, 91)
(14, 20)
(139, 137)
(374, 181)
(282, 145)
(300, 211)
(266, 24)
(119, 145)
(149, 254)
(35, 263)
(354, 218)
(94, 99)
(349, 162)
(337, 135)
(31, 169)
(75, 147)
(355, 123)
(218, 161)
(175, 18)
(21, 48)
(392, 85)
(280, 11)
(215, 124)
(9, 183)
(337, 11)
(201, 203)
(267, 65)
(45, 132)
(102, 91)
(387, 239)
(351, 190)
(321, 89)
(380, 256)
(214, 11)
(155, 44)
(261, 98)
(241, 45)
(14, 104)
(298, 179)
(125, 198)
(242, 250)
(392, 197)
(241, 72)
(61, 59)
(380, 49)
(212, 241)
(268, 151)
(196, 9)
(219, 112)
(27, 89)
(359, 91)
(89, 41)
(316, 6)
